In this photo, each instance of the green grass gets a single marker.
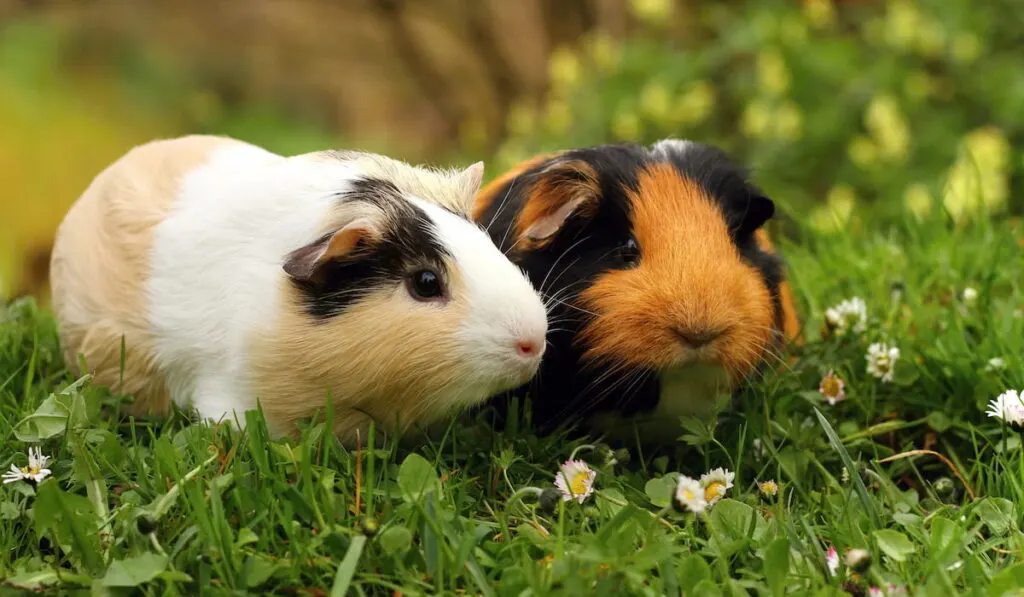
(178, 508)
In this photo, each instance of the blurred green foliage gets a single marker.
(842, 108)
(908, 103)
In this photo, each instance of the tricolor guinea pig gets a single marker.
(235, 275)
(664, 292)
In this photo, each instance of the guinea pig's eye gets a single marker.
(425, 285)
(630, 252)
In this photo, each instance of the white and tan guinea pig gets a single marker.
(235, 274)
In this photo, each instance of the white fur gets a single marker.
(666, 147)
(495, 322)
(217, 265)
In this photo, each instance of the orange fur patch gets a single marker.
(690, 279)
(489, 192)
(790, 320)
(552, 200)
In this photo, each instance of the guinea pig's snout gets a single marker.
(697, 336)
(528, 348)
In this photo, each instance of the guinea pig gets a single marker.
(664, 291)
(236, 275)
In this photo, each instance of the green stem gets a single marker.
(658, 516)
(160, 506)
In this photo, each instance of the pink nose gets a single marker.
(527, 348)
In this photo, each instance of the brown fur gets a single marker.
(791, 326)
(566, 188)
(487, 195)
(119, 208)
(691, 277)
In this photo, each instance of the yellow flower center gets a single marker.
(687, 495)
(714, 490)
(830, 386)
(578, 484)
(30, 470)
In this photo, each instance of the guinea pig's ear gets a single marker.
(563, 190)
(759, 210)
(306, 264)
(469, 181)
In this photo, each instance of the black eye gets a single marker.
(630, 252)
(425, 285)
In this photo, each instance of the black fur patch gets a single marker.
(563, 390)
(410, 242)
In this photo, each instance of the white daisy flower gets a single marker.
(575, 480)
(832, 388)
(882, 360)
(768, 488)
(690, 494)
(1008, 406)
(849, 315)
(35, 472)
(832, 561)
(715, 483)
(969, 296)
(995, 364)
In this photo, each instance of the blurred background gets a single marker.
(846, 110)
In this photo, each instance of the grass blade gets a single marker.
(347, 568)
(858, 483)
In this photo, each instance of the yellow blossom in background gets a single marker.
(695, 104)
(756, 118)
(788, 122)
(862, 151)
(901, 24)
(652, 11)
(626, 126)
(563, 68)
(919, 85)
(966, 48)
(918, 200)
(888, 128)
(931, 38)
(557, 116)
(655, 101)
(836, 212)
(820, 13)
(793, 32)
(772, 73)
(979, 176)
(520, 120)
(603, 50)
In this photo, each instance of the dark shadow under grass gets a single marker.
(171, 507)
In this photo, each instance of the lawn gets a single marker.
(908, 467)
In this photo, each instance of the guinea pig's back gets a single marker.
(101, 263)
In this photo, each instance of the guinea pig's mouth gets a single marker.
(692, 388)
